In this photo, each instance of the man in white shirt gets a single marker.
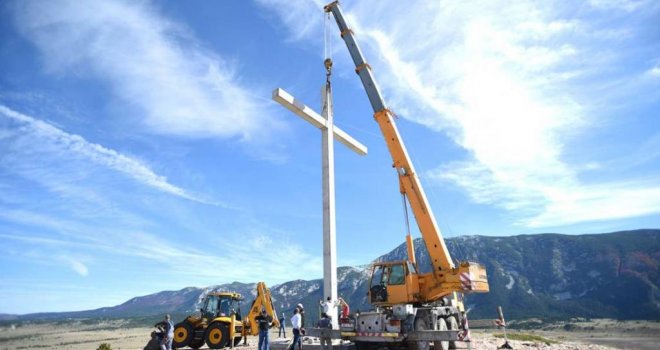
(329, 307)
(296, 323)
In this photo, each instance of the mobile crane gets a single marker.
(410, 307)
(220, 323)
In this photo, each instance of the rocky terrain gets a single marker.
(121, 334)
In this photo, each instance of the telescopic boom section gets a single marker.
(409, 181)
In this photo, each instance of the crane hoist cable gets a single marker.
(328, 60)
(327, 40)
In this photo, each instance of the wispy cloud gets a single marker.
(149, 62)
(76, 265)
(29, 136)
(514, 85)
(252, 247)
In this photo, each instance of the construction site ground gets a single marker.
(75, 335)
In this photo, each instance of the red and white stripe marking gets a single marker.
(465, 334)
(375, 334)
(466, 280)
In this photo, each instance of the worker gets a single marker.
(301, 311)
(325, 322)
(345, 309)
(282, 331)
(265, 322)
(329, 307)
(296, 324)
(168, 334)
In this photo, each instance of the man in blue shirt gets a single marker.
(325, 322)
(282, 330)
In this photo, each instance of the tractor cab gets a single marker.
(393, 283)
(222, 305)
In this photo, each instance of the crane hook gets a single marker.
(328, 65)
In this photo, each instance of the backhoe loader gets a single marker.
(220, 324)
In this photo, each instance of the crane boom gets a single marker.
(445, 278)
(409, 181)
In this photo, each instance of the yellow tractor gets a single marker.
(220, 323)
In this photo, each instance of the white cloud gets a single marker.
(654, 72)
(76, 266)
(513, 85)
(35, 136)
(625, 5)
(598, 203)
(303, 17)
(149, 62)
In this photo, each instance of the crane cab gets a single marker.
(394, 282)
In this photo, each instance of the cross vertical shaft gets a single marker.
(329, 221)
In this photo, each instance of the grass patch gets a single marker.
(526, 337)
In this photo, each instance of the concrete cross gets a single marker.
(328, 132)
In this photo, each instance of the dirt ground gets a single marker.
(602, 335)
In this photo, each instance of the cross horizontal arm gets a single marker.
(301, 110)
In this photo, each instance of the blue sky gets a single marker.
(140, 149)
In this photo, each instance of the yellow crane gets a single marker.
(409, 304)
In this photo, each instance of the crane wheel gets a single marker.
(183, 334)
(441, 345)
(452, 325)
(421, 324)
(217, 336)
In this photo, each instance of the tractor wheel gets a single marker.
(441, 345)
(452, 325)
(183, 334)
(217, 336)
(196, 343)
(421, 324)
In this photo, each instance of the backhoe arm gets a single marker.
(263, 300)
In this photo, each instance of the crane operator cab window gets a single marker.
(378, 288)
(387, 275)
(397, 274)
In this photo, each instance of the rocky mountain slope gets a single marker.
(611, 275)
(545, 275)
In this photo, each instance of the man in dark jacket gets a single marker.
(265, 322)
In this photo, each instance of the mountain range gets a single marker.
(547, 276)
